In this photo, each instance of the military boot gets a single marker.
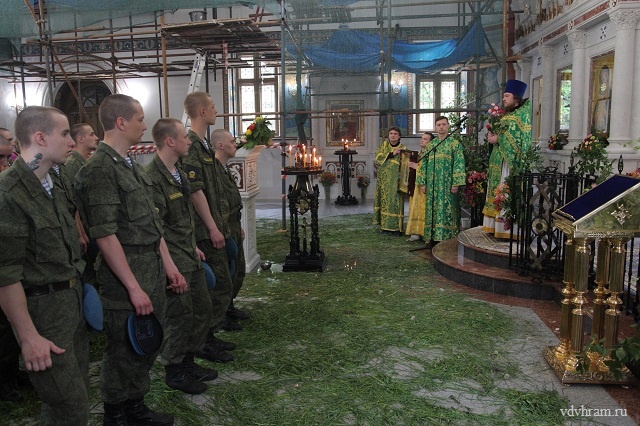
(137, 412)
(113, 415)
(196, 371)
(177, 378)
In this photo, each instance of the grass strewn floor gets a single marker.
(368, 342)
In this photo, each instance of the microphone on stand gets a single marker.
(462, 120)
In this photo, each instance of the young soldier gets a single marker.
(211, 231)
(86, 141)
(40, 262)
(188, 314)
(115, 200)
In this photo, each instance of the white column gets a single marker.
(547, 97)
(579, 88)
(621, 93)
(525, 74)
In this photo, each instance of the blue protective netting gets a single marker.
(358, 51)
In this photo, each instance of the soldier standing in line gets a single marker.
(9, 349)
(188, 314)
(40, 266)
(211, 230)
(115, 200)
(225, 148)
(86, 142)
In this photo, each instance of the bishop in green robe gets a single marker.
(388, 203)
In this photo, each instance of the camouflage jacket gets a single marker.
(39, 238)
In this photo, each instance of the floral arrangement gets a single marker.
(328, 178)
(495, 114)
(503, 203)
(501, 194)
(241, 141)
(557, 142)
(363, 181)
(473, 192)
(635, 173)
(258, 133)
(592, 157)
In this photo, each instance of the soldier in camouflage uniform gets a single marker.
(86, 141)
(188, 314)
(115, 200)
(9, 349)
(40, 263)
(225, 145)
(211, 230)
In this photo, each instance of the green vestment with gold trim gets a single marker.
(388, 203)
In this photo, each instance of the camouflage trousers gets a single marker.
(187, 319)
(63, 388)
(223, 291)
(9, 349)
(125, 374)
(238, 277)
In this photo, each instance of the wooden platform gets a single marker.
(479, 261)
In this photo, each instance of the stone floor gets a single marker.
(547, 311)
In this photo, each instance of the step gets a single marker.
(450, 262)
(484, 248)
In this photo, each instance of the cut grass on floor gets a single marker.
(373, 340)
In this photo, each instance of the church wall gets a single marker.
(601, 38)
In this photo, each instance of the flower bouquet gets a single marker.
(495, 114)
(258, 133)
(502, 204)
(592, 157)
(473, 192)
(557, 142)
(363, 181)
(328, 179)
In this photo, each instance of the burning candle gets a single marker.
(320, 162)
(290, 157)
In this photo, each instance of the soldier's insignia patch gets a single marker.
(175, 195)
(192, 175)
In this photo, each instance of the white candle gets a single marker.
(290, 157)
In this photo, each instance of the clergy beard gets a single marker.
(511, 108)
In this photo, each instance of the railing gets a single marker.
(538, 250)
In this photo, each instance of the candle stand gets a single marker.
(304, 254)
(346, 156)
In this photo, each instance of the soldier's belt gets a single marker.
(43, 290)
(149, 248)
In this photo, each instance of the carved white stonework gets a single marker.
(625, 19)
(547, 53)
(244, 169)
(578, 39)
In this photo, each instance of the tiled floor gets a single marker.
(548, 311)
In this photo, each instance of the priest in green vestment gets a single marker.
(388, 203)
(441, 175)
(508, 149)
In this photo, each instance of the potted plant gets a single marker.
(363, 184)
(593, 163)
(326, 180)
